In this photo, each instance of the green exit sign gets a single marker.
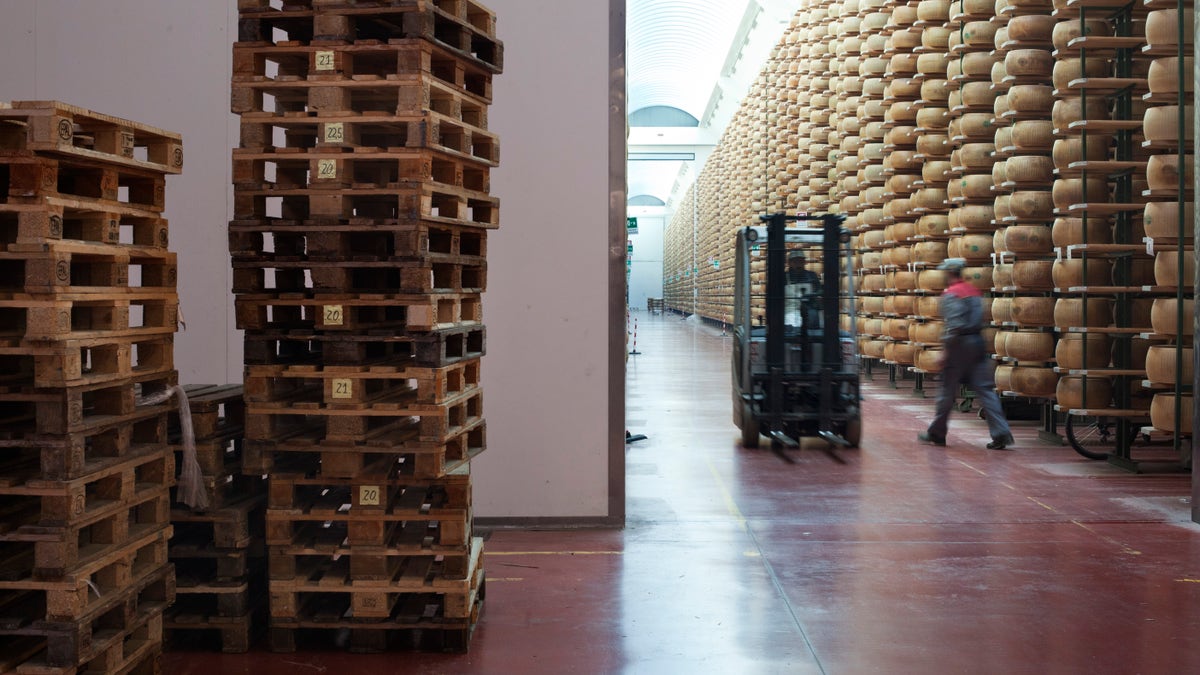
(631, 225)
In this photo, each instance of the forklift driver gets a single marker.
(803, 306)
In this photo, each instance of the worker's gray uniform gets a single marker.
(966, 362)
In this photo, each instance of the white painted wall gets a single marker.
(546, 375)
(646, 272)
(167, 63)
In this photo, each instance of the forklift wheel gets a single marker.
(750, 431)
(965, 405)
(853, 433)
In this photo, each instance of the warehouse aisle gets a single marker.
(899, 558)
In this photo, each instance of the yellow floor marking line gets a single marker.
(1123, 547)
(1188, 581)
(981, 473)
(730, 505)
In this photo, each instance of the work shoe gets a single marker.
(1001, 443)
(926, 437)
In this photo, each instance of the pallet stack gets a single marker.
(362, 210)
(218, 552)
(87, 317)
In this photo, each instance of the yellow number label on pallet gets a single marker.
(368, 495)
(343, 388)
(335, 132)
(327, 168)
(334, 316)
(325, 61)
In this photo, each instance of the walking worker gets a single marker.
(965, 359)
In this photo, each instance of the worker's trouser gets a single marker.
(967, 363)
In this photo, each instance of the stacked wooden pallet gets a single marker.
(218, 551)
(359, 246)
(87, 315)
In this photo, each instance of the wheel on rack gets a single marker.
(1094, 437)
(853, 431)
(750, 430)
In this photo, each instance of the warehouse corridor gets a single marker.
(895, 558)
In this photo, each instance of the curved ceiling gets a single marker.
(676, 49)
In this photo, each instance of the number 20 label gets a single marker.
(334, 315)
(327, 168)
(368, 495)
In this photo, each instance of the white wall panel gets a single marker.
(546, 375)
(165, 64)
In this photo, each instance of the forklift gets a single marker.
(798, 374)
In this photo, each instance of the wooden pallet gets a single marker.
(69, 456)
(394, 412)
(85, 316)
(138, 653)
(29, 178)
(84, 591)
(218, 598)
(100, 538)
(75, 363)
(194, 554)
(410, 627)
(284, 134)
(372, 508)
(363, 314)
(467, 28)
(71, 267)
(234, 526)
(315, 543)
(333, 169)
(218, 411)
(356, 239)
(102, 637)
(227, 488)
(254, 62)
(413, 457)
(319, 580)
(438, 348)
(221, 456)
(407, 95)
(186, 630)
(306, 386)
(57, 219)
(77, 133)
(407, 200)
(84, 408)
(359, 276)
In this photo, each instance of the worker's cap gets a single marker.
(952, 264)
(796, 255)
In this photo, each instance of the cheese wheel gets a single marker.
(1162, 123)
(1033, 275)
(1162, 413)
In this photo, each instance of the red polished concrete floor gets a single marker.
(902, 558)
